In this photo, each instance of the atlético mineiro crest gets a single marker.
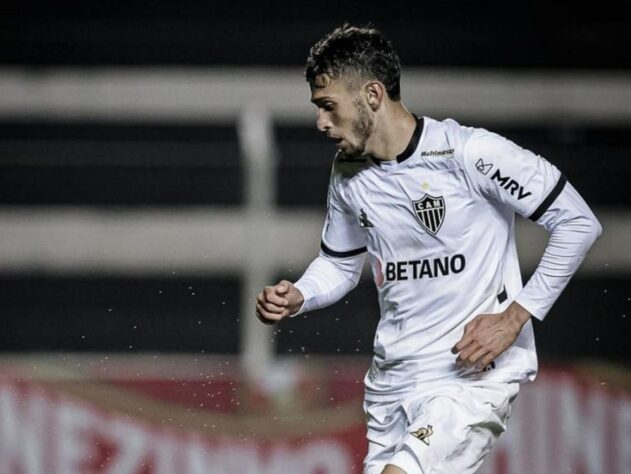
(430, 212)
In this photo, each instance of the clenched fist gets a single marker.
(277, 302)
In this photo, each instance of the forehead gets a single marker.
(325, 86)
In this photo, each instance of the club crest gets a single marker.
(430, 212)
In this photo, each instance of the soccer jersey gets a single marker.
(438, 226)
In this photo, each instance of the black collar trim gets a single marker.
(411, 148)
(416, 137)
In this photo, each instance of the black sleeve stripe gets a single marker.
(334, 253)
(543, 207)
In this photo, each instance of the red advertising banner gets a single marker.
(55, 422)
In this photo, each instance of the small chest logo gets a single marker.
(363, 219)
(423, 434)
(430, 212)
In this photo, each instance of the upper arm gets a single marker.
(504, 172)
(342, 235)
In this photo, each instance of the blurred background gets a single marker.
(159, 164)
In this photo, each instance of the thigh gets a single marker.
(454, 429)
(386, 423)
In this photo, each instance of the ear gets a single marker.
(375, 94)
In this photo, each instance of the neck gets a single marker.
(393, 130)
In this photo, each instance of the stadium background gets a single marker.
(159, 163)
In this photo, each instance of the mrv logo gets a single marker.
(426, 268)
(510, 185)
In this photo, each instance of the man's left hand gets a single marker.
(488, 335)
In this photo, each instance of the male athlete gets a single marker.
(432, 203)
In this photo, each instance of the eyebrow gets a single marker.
(321, 99)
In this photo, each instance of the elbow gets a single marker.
(597, 230)
(591, 231)
(355, 279)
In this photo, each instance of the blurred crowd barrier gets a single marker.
(190, 415)
(141, 210)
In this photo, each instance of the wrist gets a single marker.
(517, 314)
(300, 301)
(297, 301)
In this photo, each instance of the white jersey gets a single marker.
(438, 226)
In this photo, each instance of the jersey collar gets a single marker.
(414, 141)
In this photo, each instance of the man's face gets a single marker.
(342, 114)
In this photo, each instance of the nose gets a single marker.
(323, 123)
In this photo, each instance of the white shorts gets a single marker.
(448, 428)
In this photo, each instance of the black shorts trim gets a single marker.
(543, 207)
(503, 296)
(335, 253)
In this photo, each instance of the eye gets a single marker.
(328, 106)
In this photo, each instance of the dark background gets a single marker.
(516, 34)
(136, 165)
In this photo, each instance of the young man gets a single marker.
(432, 203)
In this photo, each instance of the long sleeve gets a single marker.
(573, 229)
(503, 172)
(327, 279)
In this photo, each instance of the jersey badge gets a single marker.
(423, 434)
(483, 167)
(430, 212)
(363, 219)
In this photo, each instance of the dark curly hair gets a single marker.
(360, 51)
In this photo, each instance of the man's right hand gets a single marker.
(277, 302)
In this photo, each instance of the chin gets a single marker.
(352, 152)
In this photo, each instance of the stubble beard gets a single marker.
(362, 127)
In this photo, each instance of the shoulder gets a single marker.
(346, 168)
(472, 143)
(450, 138)
(344, 171)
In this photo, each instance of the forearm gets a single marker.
(573, 229)
(327, 280)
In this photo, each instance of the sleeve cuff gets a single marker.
(305, 294)
(536, 310)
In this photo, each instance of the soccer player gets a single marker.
(432, 203)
